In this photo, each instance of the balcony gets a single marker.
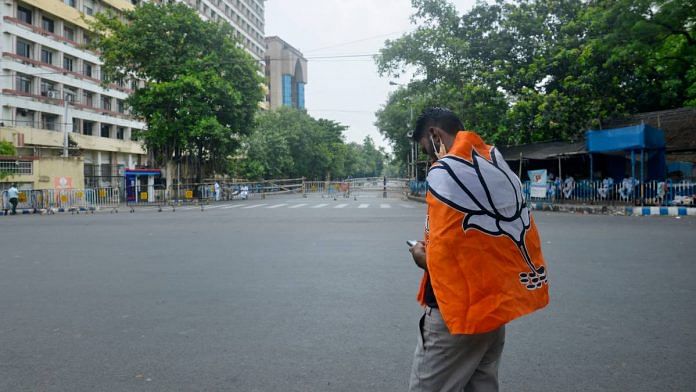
(35, 137)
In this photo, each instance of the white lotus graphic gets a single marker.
(491, 196)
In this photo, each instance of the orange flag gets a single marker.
(482, 247)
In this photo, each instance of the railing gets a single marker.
(604, 192)
(626, 192)
(357, 187)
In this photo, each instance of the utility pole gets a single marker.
(65, 128)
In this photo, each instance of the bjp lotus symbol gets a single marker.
(491, 196)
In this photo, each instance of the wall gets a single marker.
(48, 171)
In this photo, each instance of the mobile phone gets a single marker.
(411, 243)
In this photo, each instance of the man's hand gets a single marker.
(418, 253)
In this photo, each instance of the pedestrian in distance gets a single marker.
(13, 197)
(481, 257)
(217, 191)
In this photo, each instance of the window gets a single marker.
(88, 7)
(88, 99)
(24, 83)
(87, 69)
(287, 90)
(48, 24)
(24, 14)
(24, 49)
(68, 62)
(46, 56)
(105, 130)
(300, 95)
(69, 93)
(121, 131)
(120, 106)
(48, 89)
(87, 127)
(69, 33)
(106, 103)
(49, 121)
(71, 3)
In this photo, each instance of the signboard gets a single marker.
(62, 182)
(537, 179)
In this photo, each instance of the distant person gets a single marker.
(217, 191)
(13, 197)
(481, 257)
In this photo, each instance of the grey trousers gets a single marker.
(445, 362)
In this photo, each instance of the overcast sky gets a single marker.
(345, 90)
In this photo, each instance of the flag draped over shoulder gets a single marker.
(482, 247)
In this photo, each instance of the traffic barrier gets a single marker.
(106, 198)
(25, 202)
(63, 200)
(146, 196)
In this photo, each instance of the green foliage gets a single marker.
(7, 148)
(202, 89)
(288, 143)
(536, 70)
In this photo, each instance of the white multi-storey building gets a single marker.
(50, 84)
(245, 16)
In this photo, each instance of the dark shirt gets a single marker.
(430, 299)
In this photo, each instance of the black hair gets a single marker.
(437, 117)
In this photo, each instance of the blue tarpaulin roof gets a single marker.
(637, 137)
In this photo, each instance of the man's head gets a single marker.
(436, 127)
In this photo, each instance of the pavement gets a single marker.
(607, 209)
(268, 295)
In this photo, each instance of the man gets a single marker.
(481, 256)
(13, 196)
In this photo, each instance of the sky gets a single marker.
(346, 90)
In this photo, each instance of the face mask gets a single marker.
(441, 152)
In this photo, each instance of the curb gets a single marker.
(603, 210)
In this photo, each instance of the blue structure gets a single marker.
(641, 139)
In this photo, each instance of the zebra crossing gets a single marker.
(312, 206)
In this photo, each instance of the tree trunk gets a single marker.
(170, 171)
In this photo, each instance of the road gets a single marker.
(292, 294)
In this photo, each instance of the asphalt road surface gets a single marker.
(319, 295)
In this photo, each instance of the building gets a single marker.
(286, 73)
(245, 16)
(50, 85)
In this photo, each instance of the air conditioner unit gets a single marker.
(53, 94)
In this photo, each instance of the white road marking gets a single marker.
(298, 205)
(319, 205)
(341, 206)
(232, 206)
(363, 205)
(254, 206)
(276, 206)
(384, 206)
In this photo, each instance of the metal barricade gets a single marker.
(64, 200)
(106, 198)
(146, 196)
(25, 202)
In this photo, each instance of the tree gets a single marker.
(196, 101)
(535, 70)
(6, 149)
(289, 143)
